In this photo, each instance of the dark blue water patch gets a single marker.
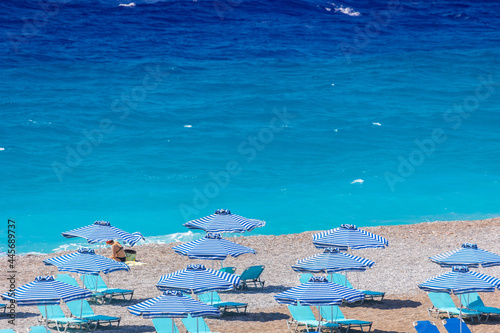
(99, 31)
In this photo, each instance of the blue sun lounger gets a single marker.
(196, 325)
(342, 280)
(472, 301)
(96, 284)
(38, 329)
(252, 275)
(304, 277)
(425, 326)
(228, 269)
(8, 330)
(303, 316)
(452, 325)
(443, 304)
(213, 298)
(164, 325)
(3, 307)
(82, 309)
(333, 314)
(56, 316)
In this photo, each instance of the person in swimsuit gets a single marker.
(117, 252)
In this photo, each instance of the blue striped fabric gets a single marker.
(331, 261)
(348, 236)
(467, 255)
(460, 281)
(318, 291)
(212, 247)
(172, 305)
(85, 261)
(198, 279)
(46, 290)
(224, 221)
(101, 231)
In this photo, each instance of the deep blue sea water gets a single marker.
(306, 114)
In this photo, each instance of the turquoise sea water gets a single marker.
(304, 114)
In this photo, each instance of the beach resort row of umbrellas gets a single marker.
(195, 279)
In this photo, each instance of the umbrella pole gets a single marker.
(460, 315)
(81, 301)
(46, 319)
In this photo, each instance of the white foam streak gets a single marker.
(357, 181)
(345, 10)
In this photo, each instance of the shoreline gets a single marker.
(397, 271)
(190, 235)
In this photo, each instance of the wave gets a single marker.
(344, 10)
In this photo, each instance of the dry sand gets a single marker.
(398, 270)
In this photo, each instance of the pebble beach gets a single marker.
(398, 270)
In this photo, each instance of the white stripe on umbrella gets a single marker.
(101, 231)
(212, 247)
(223, 221)
(349, 236)
(467, 255)
(198, 279)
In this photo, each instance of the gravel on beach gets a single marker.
(398, 270)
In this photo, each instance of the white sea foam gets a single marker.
(377, 124)
(171, 238)
(2, 148)
(357, 181)
(188, 126)
(127, 5)
(345, 10)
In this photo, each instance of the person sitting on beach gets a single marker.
(117, 252)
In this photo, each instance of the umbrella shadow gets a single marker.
(389, 304)
(265, 290)
(135, 328)
(20, 315)
(254, 316)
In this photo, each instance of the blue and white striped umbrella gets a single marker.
(101, 231)
(318, 291)
(331, 261)
(460, 281)
(198, 279)
(212, 247)
(224, 221)
(348, 236)
(85, 261)
(46, 290)
(468, 255)
(172, 304)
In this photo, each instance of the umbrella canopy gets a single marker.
(468, 255)
(172, 304)
(198, 279)
(224, 221)
(212, 247)
(46, 290)
(85, 261)
(318, 291)
(348, 236)
(460, 281)
(331, 261)
(101, 231)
